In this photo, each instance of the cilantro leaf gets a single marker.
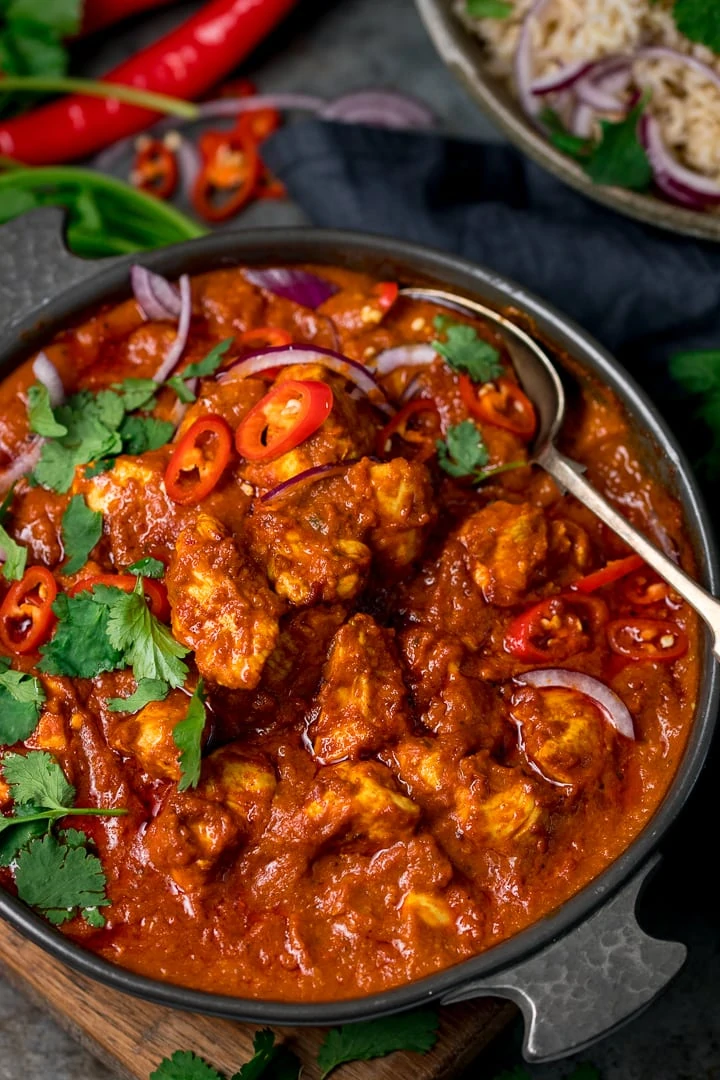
(187, 735)
(42, 420)
(375, 1038)
(488, 9)
(151, 568)
(275, 1062)
(37, 778)
(147, 690)
(147, 645)
(80, 646)
(21, 700)
(18, 834)
(563, 139)
(58, 878)
(81, 531)
(91, 422)
(465, 351)
(136, 393)
(699, 373)
(619, 159)
(184, 1065)
(463, 453)
(142, 433)
(182, 389)
(36, 49)
(15, 557)
(63, 17)
(699, 20)
(102, 465)
(209, 363)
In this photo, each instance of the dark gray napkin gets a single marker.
(642, 292)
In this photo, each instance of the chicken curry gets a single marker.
(310, 685)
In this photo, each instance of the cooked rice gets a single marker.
(685, 104)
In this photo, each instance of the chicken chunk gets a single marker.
(295, 666)
(221, 606)
(362, 704)
(398, 495)
(148, 735)
(506, 543)
(244, 781)
(189, 836)
(563, 734)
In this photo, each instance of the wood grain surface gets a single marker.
(132, 1036)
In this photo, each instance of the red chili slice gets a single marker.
(647, 639)
(26, 615)
(228, 176)
(501, 403)
(155, 592)
(155, 169)
(613, 571)
(283, 419)
(262, 337)
(424, 437)
(387, 294)
(260, 123)
(644, 589)
(555, 629)
(199, 460)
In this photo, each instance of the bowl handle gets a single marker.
(589, 982)
(35, 263)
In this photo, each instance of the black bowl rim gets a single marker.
(352, 248)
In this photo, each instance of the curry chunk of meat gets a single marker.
(362, 703)
(221, 605)
(506, 545)
(147, 736)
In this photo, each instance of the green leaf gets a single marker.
(14, 202)
(102, 465)
(376, 1038)
(137, 393)
(18, 835)
(150, 568)
(562, 138)
(269, 1061)
(93, 917)
(619, 158)
(92, 422)
(699, 20)
(147, 690)
(465, 351)
(81, 531)
(209, 363)
(464, 452)
(37, 778)
(187, 735)
(142, 433)
(80, 647)
(184, 1065)
(15, 557)
(63, 17)
(697, 370)
(147, 645)
(40, 413)
(488, 9)
(37, 48)
(21, 700)
(7, 503)
(56, 878)
(182, 389)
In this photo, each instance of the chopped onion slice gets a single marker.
(178, 346)
(300, 286)
(379, 108)
(46, 373)
(188, 159)
(674, 180)
(154, 293)
(234, 106)
(523, 63)
(317, 472)
(285, 355)
(613, 709)
(417, 355)
(23, 464)
(563, 78)
(582, 120)
(604, 82)
(663, 52)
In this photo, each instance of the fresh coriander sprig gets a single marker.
(36, 781)
(464, 350)
(463, 454)
(21, 699)
(619, 158)
(187, 736)
(81, 531)
(199, 370)
(15, 554)
(699, 20)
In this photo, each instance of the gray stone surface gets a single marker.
(328, 47)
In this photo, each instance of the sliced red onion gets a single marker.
(183, 329)
(662, 52)
(23, 465)
(46, 373)
(562, 79)
(379, 108)
(582, 120)
(317, 472)
(300, 286)
(285, 355)
(523, 63)
(613, 709)
(417, 355)
(234, 106)
(188, 159)
(157, 297)
(603, 84)
(678, 183)
(410, 390)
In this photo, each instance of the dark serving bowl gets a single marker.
(587, 967)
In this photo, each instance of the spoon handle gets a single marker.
(568, 476)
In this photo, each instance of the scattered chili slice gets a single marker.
(643, 589)
(155, 592)
(501, 403)
(423, 436)
(199, 460)
(155, 168)
(555, 629)
(262, 337)
(290, 413)
(228, 176)
(647, 639)
(269, 187)
(387, 294)
(259, 124)
(613, 571)
(26, 615)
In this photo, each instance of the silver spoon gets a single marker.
(542, 385)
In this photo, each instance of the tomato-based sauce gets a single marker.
(381, 793)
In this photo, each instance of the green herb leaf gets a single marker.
(699, 20)
(464, 452)
(269, 1061)
(91, 422)
(18, 834)
(61, 16)
(619, 158)
(150, 568)
(699, 373)
(562, 138)
(15, 557)
(488, 9)
(147, 690)
(7, 503)
(146, 644)
(42, 420)
(209, 363)
(37, 49)
(37, 778)
(80, 647)
(21, 700)
(137, 393)
(184, 1065)
(58, 878)
(103, 465)
(81, 531)
(182, 389)
(142, 433)
(187, 736)
(376, 1038)
(465, 351)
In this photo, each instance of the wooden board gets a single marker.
(132, 1036)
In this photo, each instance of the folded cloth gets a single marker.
(642, 292)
